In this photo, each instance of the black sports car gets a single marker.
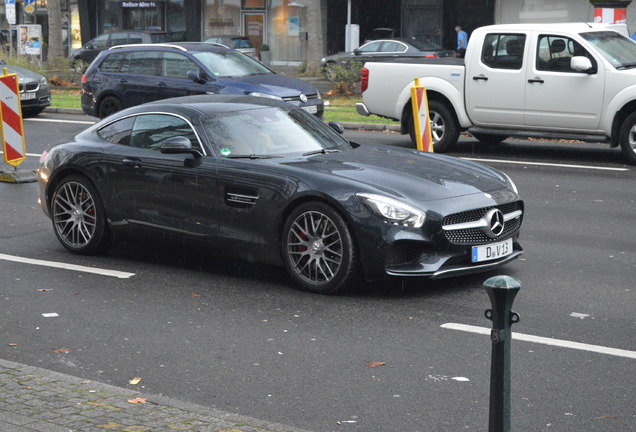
(264, 180)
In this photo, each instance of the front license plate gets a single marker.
(492, 251)
(311, 109)
(24, 96)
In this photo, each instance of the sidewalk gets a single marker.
(34, 399)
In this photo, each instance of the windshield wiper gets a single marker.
(626, 66)
(251, 156)
(321, 151)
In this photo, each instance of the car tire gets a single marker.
(78, 216)
(444, 127)
(330, 73)
(109, 105)
(627, 138)
(318, 249)
(80, 66)
(489, 139)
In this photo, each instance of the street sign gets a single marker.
(29, 9)
(10, 12)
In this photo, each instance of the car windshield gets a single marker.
(160, 38)
(242, 43)
(227, 64)
(617, 49)
(270, 132)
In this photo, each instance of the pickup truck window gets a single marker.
(617, 49)
(555, 52)
(503, 51)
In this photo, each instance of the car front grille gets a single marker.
(475, 235)
(297, 98)
(30, 86)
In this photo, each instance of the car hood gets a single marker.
(23, 73)
(415, 175)
(275, 84)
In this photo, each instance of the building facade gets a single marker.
(284, 25)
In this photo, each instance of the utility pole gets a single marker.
(56, 47)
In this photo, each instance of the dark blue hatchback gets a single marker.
(130, 75)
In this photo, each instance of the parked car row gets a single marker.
(35, 92)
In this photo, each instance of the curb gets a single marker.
(36, 399)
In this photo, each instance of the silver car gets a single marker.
(35, 93)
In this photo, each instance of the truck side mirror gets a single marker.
(581, 64)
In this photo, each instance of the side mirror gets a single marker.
(197, 76)
(581, 64)
(356, 51)
(337, 127)
(176, 145)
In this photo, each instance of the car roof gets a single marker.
(183, 46)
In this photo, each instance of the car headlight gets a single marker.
(512, 184)
(265, 95)
(393, 211)
(43, 81)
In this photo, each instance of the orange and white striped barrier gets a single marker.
(421, 119)
(11, 128)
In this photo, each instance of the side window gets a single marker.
(112, 62)
(143, 62)
(118, 39)
(555, 52)
(117, 132)
(151, 129)
(99, 42)
(372, 47)
(176, 65)
(392, 47)
(503, 51)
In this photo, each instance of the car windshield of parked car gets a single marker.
(228, 64)
(270, 131)
(241, 43)
(617, 49)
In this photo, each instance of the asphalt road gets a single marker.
(239, 337)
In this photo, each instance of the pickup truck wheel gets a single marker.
(628, 138)
(444, 128)
(489, 139)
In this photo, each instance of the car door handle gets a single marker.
(536, 80)
(122, 81)
(480, 78)
(161, 84)
(134, 163)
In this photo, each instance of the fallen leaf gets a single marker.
(195, 295)
(374, 364)
(135, 380)
(45, 290)
(604, 416)
(61, 350)
(137, 400)
(13, 344)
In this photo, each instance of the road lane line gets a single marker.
(60, 121)
(546, 341)
(65, 266)
(546, 164)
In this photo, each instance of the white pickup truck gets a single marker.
(562, 80)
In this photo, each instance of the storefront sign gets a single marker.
(139, 5)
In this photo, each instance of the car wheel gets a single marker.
(444, 127)
(489, 139)
(78, 216)
(330, 73)
(628, 138)
(110, 105)
(79, 65)
(318, 249)
(32, 112)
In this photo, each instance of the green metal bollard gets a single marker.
(502, 291)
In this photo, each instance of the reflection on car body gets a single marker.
(263, 180)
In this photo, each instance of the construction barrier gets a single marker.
(421, 119)
(11, 128)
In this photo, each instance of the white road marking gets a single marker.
(60, 121)
(546, 341)
(506, 161)
(65, 266)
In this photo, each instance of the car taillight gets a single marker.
(430, 56)
(43, 156)
(83, 78)
(364, 80)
